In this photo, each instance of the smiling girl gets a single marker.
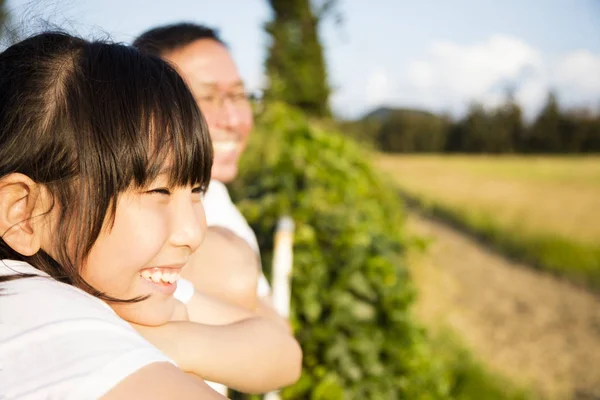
(104, 157)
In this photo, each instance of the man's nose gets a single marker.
(228, 115)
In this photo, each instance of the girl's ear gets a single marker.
(22, 213)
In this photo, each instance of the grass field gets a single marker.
(543, 210)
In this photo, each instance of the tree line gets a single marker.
(3, 17)
(502, 129)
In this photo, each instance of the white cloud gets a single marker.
(576, 77)
(448, 76)
(422, 74)
(453, 75)
(470, 71)
(377, 87)
(581, 69)
(531, 95)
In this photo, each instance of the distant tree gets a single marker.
(407, 131)
(545, 133)
(509, 122)
(574, 128)
(478, 130)
(581, 131)
(3, 17)
(365, 131)
(481, 130)
(485, 131)
(393, 136)
(591, 142)
(455, 137)
(295, 63)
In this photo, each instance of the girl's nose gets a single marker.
(188, 224)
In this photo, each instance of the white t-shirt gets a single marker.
(58, 342)
(220, 211)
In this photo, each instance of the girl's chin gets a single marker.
(146, 312)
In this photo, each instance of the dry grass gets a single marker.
(542, 210)
(559, 195)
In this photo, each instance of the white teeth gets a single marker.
(167, 277)
(157, 276)
(224, 145)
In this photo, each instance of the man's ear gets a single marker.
(22, 211)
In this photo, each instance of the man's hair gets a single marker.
(163, 39)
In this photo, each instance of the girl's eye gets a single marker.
(163, 191)
(197, 190)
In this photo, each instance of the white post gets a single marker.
(217, 387)
(282, 265)
(283, 258)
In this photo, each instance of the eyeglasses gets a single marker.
(239, 100)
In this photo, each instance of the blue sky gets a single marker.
(437, 55)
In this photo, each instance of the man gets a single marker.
(227, 266)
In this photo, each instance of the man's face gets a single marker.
(211, 74)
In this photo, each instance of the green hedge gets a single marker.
(351, 293)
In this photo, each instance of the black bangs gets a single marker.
(145, 120)
(131, 118)
(90, 120)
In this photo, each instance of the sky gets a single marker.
(433, 55)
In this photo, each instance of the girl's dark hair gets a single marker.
(90, 120)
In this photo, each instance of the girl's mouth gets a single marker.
(163, 280)
(161, 275)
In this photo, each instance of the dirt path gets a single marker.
(532, 327)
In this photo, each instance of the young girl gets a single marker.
(103, 160)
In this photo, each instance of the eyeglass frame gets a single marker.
(237, 99)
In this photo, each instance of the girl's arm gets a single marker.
(161, 381)
(206, 309)
(264, 308)
(253, 355)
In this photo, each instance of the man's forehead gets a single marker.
(218, 85)
(207, 63)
